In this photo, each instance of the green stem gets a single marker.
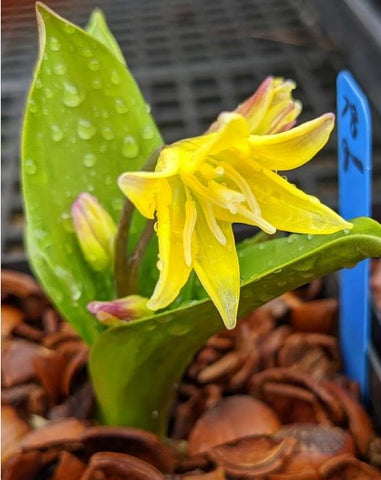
(126, 281)
(136, 258)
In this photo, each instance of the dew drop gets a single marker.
(30, 166)
(48, 92)
(148, 108)
(154, 414)
(115, 79)
(71, 95)
(130, 147)
(68, 28)
(54, 44)
(107, 133)
(67, 222)
(85, 129)
(347, 232)
(32, 106)
(87, 52)
(117, 203)
(59, 68)
(160, 265)
(96, 84)
(38, 83)
(291, 239)
(94, 65)
(148, 132)
(120, 105)
(310, 237)
(105, 114)
(89, 160)
(108, 180)
(57, 133)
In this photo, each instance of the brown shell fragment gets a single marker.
(119, 466)
(299, 379)
(251, 457)
(13, 429)
(132, 441)
(17, 362)
(23, 466)
(19, 284)
(231, 418)
(315, 444)
(69, 467)
(217, 474)
(359, 422)
(11, 317)
(347, 467)
(315, 316)
(60, 432)
(313, 353)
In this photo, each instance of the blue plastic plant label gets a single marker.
(355, 166)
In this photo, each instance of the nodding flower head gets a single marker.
(202, 185)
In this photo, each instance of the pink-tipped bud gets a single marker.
(125, 309)
(95, 230)
(271, 109)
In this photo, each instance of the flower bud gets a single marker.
(127, 308)
(95, 231)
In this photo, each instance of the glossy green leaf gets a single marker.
(85, 123)
(135, 367)
(97, 28)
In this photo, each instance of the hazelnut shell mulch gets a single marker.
(264, 401)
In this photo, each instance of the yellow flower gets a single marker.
(202, 185)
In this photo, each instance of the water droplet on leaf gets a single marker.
(89, 160)
(30, 166)
(32, 106)
(120, 105)
(115, 79)
(59, 68)
(130, 147)
(107, 133)
(67, 222)
(94, 65)
(57, 133)
(86, 129)
(54, 44)
(71, 95)
(96, 83)
(148, 132)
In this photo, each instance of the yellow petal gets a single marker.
(291, 149)
(217, 268)
(232, 133)
(174, 271)
(142, 188)
(288, 208)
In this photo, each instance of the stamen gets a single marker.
(189, 225)
(207, 209)
(257, 220)
(244, 187)
(230, 198)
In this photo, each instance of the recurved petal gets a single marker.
(142, 188)
(233, 132)
(291, 149)
(290, 209)
(217, 268)
(174, 271)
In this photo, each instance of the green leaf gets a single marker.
(135, 367)
(85, 123)
(97, 28)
